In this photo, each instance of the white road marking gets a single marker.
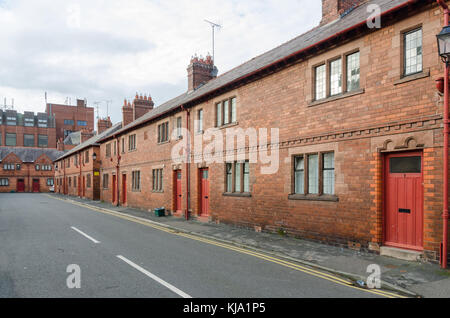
(154, 277)
(85, 235)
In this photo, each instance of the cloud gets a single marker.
(107, 50)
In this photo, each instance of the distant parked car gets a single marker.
(52, 189)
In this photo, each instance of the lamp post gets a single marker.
(443, 39)
(94, 156)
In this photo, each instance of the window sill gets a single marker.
(164, 142)
(413, 77)
(314, 197)
(238, 195)
(228, 125)
(336, 97)
(158, 192)
(132, 150)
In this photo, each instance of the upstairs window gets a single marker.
(10, 140)
(336, 77)
(43, 141)
(29, 122)
(86, 156)
(226, 112)
(321, 84)
(28, 140)
(42, 123)
(131, 142)
(200, 121)
(179, 127)
(9, 167)
(163, 132)
(11, 121)
(412, 52)
(343, 76)
(353, 72)
(82, 123)
(69, 122)
(108, 150)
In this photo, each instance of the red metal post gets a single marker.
(188, 145)
(446, 143)
(118, 171)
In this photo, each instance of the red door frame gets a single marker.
(177, 190)
(84, 186)
(204, 193)
(114, 180)
(20, 185)
(36, 186)
(385, 197)
(124, 189)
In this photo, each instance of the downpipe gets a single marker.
(445, 215)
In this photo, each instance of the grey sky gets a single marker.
(111, 49)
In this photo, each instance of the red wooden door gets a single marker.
(124, 189)
(178, 193)
(114, 189)
(20, 185)
(204, 187)
(404, 200)
(36, 186)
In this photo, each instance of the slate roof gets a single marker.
(29, 155)
(73, 138)
(92, 141)
(321, 33)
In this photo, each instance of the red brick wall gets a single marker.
(20, 131)
(84, 169)
(75, 113)
(388, 114)
(27, 172)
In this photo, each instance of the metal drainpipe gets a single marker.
(118, 170)
(446, 152)
(80, 191)
(188, 154)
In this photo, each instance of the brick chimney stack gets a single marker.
(127, 113)
(333, 9)
(200, 71)
(81, 103)
(142, 105)
(103, 125)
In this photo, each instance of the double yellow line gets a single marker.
(265, 257)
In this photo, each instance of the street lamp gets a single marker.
(94, 156)
(443, 39)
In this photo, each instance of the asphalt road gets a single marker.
(41, 236)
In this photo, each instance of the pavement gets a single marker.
(416, 279)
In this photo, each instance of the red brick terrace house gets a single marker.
(360, 135)
(27, 169)
(77, 172)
